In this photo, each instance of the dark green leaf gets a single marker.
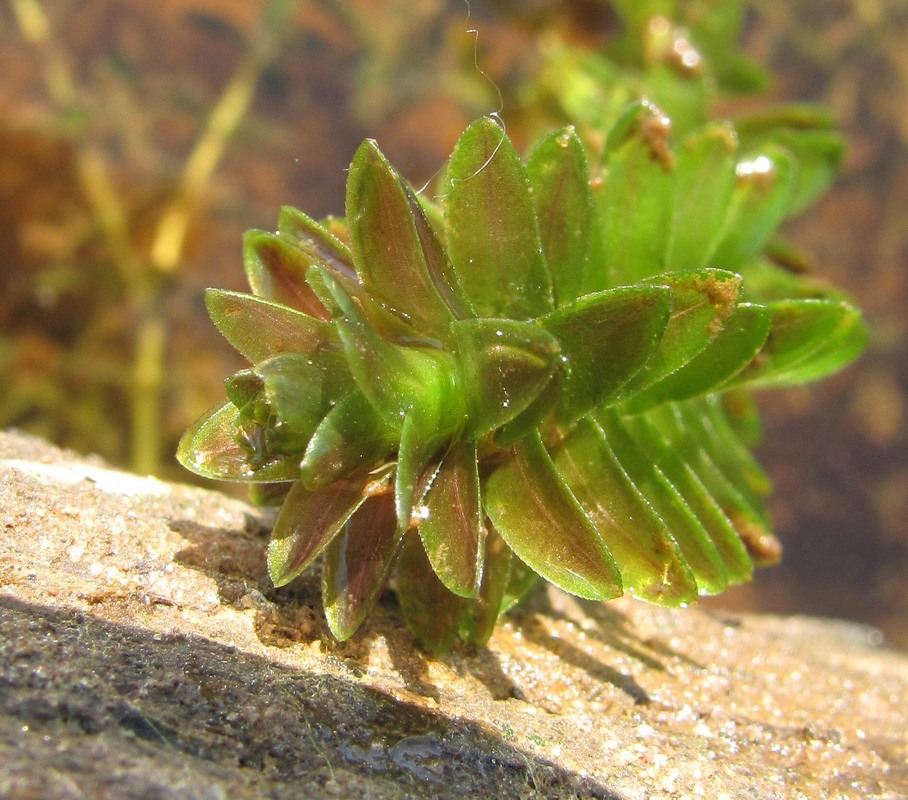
(357, 564)
(605, 339)
(544, 525)
(451, 525)
(650, 561)
(492, 230)
(306, 523)
(560, 179)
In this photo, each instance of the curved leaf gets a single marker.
(306, 523)
(504, 366)
(210, 449)
(733, 348)
(358, 561)
(386, 245)
(559, 175)
(650, 561)
(259, 328)
(605, 339)
(351, 437)
(491, 226)
(544, 525)
(451, 526)
(701, 302)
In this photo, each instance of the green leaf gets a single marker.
(386, 245)
(605, 339)
(431, 611)
(650, 561)
(841, 347)
(209, 448)
(733, 348)
(301, 389)
(743, 507)
(276, 268)
(807, 132)
(315, 239)
(704, 182)
(544, 525)
(700, 304)
(735, 558)
(559, 176)
(357, 564)
(764, 189)
(635, 202)
(799, 328)
(394, 378)
(258, 328)
(307, 522)
(492, 230)
(420, 438)
(351, 437)
(478, 617)
(521, 580)
(696, 546)
(450, 522)
(504, 366)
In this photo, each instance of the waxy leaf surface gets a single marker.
(306, 523)
(451, 527)
(560, 179)
(492, 230)
(386, 245)
(357, 564)
(605, 340)
(541, 521)
(650, 561)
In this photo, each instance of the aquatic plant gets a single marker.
(545, 373)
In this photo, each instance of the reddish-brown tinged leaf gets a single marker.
(492, 230)
(431, 611)
(276, 269)
(560, 178)
(259, 328)
(209, 448)
(387, 247)
(651, 564)
(541, 521)
(308, 520)
(357, 564)
(451, 526)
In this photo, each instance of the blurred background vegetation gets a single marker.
(139, 140)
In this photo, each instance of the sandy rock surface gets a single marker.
(143, 654)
